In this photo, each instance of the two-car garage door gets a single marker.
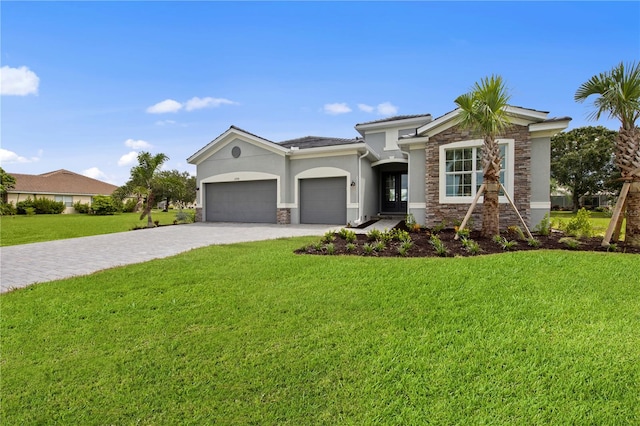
(322, 201)
(248, 201)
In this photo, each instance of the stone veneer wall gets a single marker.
(284, 216)
(436, 212)
(199, 215)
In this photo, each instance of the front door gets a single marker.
(395, 192)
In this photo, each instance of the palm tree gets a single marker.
(618, 95)
(483, 110)
(143, 178)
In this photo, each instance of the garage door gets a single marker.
(323, 201)
(251, 201)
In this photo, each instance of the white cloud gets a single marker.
(208, 102)
(95, 173)
(11, 157)
(18, 81)
(168, 105)
(128, 159)
(165, 122)
(337, 108)
(139, 144)
(386, 108)
(365, 108)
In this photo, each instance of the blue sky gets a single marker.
(87, 85)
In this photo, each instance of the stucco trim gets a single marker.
(417, 205)
(546, 205)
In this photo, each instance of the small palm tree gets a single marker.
(143, 178)
(483, 110)
(618, 95)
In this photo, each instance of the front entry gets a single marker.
(395, 192)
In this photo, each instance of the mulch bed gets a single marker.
(422, 246)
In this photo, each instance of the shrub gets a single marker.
(544, 227)
(374, 235)
(7, 209)
(379, 246)
(401, 235)
(438, 245)
(404, 248)
(410, 220)
(185, 217)
(350, 247)
(129, 206)
(571, 243)
(347, 235)
(516, 232)
(367, 248)
(532, 242)
(504, 243)
(331, 248)
(580, 225)
(439, 227)
(82, 208)
(471, 246)
(328, 237)
(463, 233)
(40, 206)
(103, 205)
(29, 211)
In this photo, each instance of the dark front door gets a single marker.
(395, 194)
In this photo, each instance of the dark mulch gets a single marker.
(422, 246)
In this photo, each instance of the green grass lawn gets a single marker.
(254, 334)
(22, 229)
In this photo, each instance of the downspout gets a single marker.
(360, 187)
(408, 179)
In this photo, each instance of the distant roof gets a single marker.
(395, 118)
(60, 182)
(317, 141)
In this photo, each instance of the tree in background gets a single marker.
(144, 182)
(7, 183)
(582, 161)
(618, 95)
(177, 187)
(483, 110)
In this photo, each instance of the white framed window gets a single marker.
(66, 199)
(461, 170)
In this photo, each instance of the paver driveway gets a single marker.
(27, 264)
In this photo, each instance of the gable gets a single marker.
(235, 135)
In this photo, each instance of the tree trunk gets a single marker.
(632, 233)
(491, 211)
(491, 172)
(150, 200)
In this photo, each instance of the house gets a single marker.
(60, 185)
(411, 164)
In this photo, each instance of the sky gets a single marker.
(85, 86)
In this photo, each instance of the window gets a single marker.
(66, 199)
(461, 170)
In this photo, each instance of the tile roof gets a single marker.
(317, 141)
(60, 182)
(395, 118)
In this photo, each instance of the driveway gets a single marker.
(27, 264)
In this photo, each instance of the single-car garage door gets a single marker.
(323, 201)
(250, 201)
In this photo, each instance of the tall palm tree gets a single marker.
(483, 110)
(618, 95)
(143, 178)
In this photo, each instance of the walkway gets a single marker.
(27, 264)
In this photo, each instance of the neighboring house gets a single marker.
(60, 185)
(412, 164)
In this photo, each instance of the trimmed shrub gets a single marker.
(129, 206)
(40, 206)
(81, 207)
(7, 209)
(103, 205)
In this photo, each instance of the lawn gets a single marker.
(254, 334)
(22, 229)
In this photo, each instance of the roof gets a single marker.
(395, 118)
(60, 182)
(317, 141)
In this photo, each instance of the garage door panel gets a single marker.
(323, 201)
(251, 201)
